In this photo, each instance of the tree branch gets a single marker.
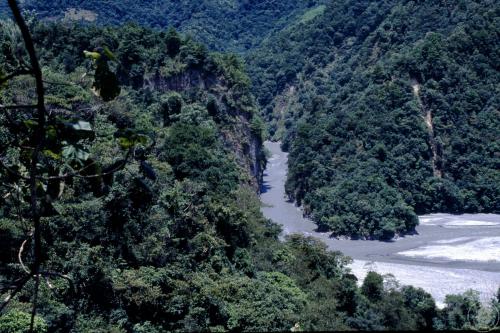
(77, 175)
(20, 254)
(62, 276)
(15, 74)
(71, 84)
(11, 295)
(10, 107)
(39, 137)
(35, 303)
(12, 172)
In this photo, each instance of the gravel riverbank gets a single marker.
(450, 253)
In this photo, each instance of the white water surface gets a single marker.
(449, 254)
(484, 249)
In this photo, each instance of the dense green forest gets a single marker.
(389, 109)
(147, 191)
(235, 25)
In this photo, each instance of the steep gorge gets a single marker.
(176, 241)
(395, 110)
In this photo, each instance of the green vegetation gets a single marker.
(312, 13)
(145, 185)
(388, 109)
(16, 322)
(234, 25)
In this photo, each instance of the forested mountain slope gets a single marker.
(160, 228)
(389, 109)
(173, 240)
(233, 25)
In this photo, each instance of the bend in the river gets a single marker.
(450, 254)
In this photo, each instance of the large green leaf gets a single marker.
(75, 152)
(82, 126)
(79, 130)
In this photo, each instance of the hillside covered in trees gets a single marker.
(169, 236)
(231, 25)
(146, 186)
(389, 109)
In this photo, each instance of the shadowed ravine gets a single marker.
(450, 254)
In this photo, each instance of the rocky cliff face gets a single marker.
(211, 89)
(232, 108)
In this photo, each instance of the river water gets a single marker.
(449, 254)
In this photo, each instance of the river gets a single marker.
(449, 253)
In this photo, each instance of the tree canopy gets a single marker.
(144, 167)
(389, 109)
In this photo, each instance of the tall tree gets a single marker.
(45, 150)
